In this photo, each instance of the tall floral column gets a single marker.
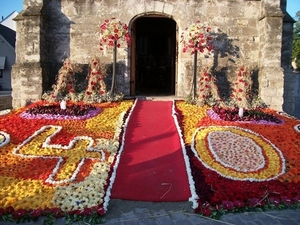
(96, 85)
(196, 38)
(111, 33)
(65, 83)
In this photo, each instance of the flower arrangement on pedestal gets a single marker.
(96, 85)
(65, 83)
(111, 32)
(208, 90)
(242, 88)
(196, 38)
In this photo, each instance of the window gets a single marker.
(2, 62)
(2, 65)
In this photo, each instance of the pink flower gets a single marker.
(238, 204)
(228, 205)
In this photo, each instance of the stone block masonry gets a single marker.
(248, 32)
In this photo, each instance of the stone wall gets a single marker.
(248, 32)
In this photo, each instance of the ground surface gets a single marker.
(122, 212)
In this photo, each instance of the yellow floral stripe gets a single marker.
(192, 115)
(25, 194)
(106, 120)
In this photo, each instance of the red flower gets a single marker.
(240, 90)
(274, 201)
(19, 213)
(116, 30)
(57, 212)
(297, 199)
(36, 213)
(206, 211)
(286, 200)
(2, 211)
(99, 210)
(238, 204)
(86, 212)
(10, 210)
(254, 202)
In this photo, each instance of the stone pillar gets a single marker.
(271, 73)
(27, 71)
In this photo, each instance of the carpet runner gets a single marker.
(152, 166)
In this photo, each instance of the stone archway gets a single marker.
(153, 56)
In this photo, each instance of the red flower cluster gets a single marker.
(197, 37)
(208, 87)
(113, 30)
(241, 87)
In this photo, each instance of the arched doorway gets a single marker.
(153, 56)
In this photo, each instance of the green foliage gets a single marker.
(296, 39)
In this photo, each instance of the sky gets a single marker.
(7, 7)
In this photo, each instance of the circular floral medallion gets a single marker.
(235, 151)
(238, 153)
(4, 138)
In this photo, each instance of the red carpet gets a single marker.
(151, 166)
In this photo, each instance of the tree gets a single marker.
(197, 38)
(296, 39)
(112, 31)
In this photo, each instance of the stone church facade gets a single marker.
(256, 33)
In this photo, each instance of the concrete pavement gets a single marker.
(122, 212)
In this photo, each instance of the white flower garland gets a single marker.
(234, 178)
(117, 161)
(46, 144)
(90, 114)
(194, 197)
(4, 138)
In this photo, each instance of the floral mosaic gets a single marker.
(59, 164)
(239, 166)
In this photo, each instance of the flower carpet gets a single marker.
(62, 165)
(240, 166)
